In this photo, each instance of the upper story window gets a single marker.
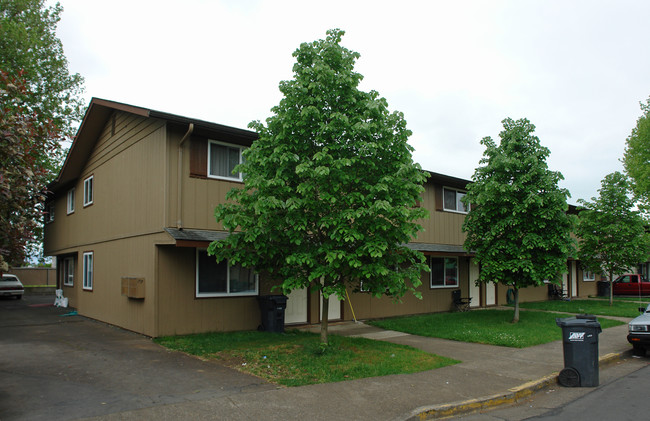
(221, 279)
(444, 272)
(49, 212)
(88, 190)
(222, 160)
(71, 201)
(452, 200)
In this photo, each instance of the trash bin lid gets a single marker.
(577, 322)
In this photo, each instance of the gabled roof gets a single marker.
(97, 115)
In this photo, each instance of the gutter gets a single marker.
(179, 198)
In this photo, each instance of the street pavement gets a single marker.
(56, 365)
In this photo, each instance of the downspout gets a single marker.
(179, 198)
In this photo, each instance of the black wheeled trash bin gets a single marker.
(580, 345)
(603, 288)
(272, 308)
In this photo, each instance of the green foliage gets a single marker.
(621, 308)
(636, 158)
(491, 327)
(39, 98)
(24, 141)
(297, 358)
(517, 225)
(611, 233)
(30, 49)
(330, 187)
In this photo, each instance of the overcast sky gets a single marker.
(576, 69)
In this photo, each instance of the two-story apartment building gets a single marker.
(131, 213)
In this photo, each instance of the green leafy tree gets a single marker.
(517, 225)
(330, 190)
(636, 158)
(24, 140)
(612, 237)
(31, 51)
(32, 60)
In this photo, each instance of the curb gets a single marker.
(512, 396)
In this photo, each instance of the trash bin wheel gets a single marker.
(569, 377)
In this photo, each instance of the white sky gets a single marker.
(575, 69)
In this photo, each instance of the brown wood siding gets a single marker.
(181, 313)
(129, 187)
(441, 227)
(198, 157)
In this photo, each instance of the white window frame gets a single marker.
(68, 271)
(588, 276)
(234, 177)
(71, 197)
(88, 270)
(89, 190)
(222, 294)
(444, 262)
(457, 201)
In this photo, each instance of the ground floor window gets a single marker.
(88, 271)
(67, 271)
(444, 272)
(221, 279)
(588, 276)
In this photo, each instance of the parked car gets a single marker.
(10, 286)
(639, 331)
(631, 284)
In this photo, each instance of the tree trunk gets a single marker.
(611, 289)
(323, 322)
(515, 318)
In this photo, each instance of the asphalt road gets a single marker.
(56, 366)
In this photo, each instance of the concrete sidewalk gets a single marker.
(488, 375)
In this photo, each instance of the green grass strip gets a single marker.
(296, 358)
(620, 308)
(493, 327)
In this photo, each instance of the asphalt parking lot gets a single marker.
(57, 366)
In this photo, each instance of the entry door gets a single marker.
(574, 279)
(474, 290)
(490, 293)
(565, 284)
(296, 311)
(334, 308)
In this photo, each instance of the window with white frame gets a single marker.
(451, 200)
(67, 271)
(88, 190)
(70, 201)
(588, 275)
(88, 270)
(221, 279)
(222, 160)
(444, 272)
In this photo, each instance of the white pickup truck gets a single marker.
(639, 332)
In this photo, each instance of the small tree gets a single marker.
(23, 176)
(517, 225)
(611, 233)
(637, 158)
(330, 187)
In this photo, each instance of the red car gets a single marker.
(631, 284)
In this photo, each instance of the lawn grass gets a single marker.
(620, 308)
(492, 327)
(295, 358)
